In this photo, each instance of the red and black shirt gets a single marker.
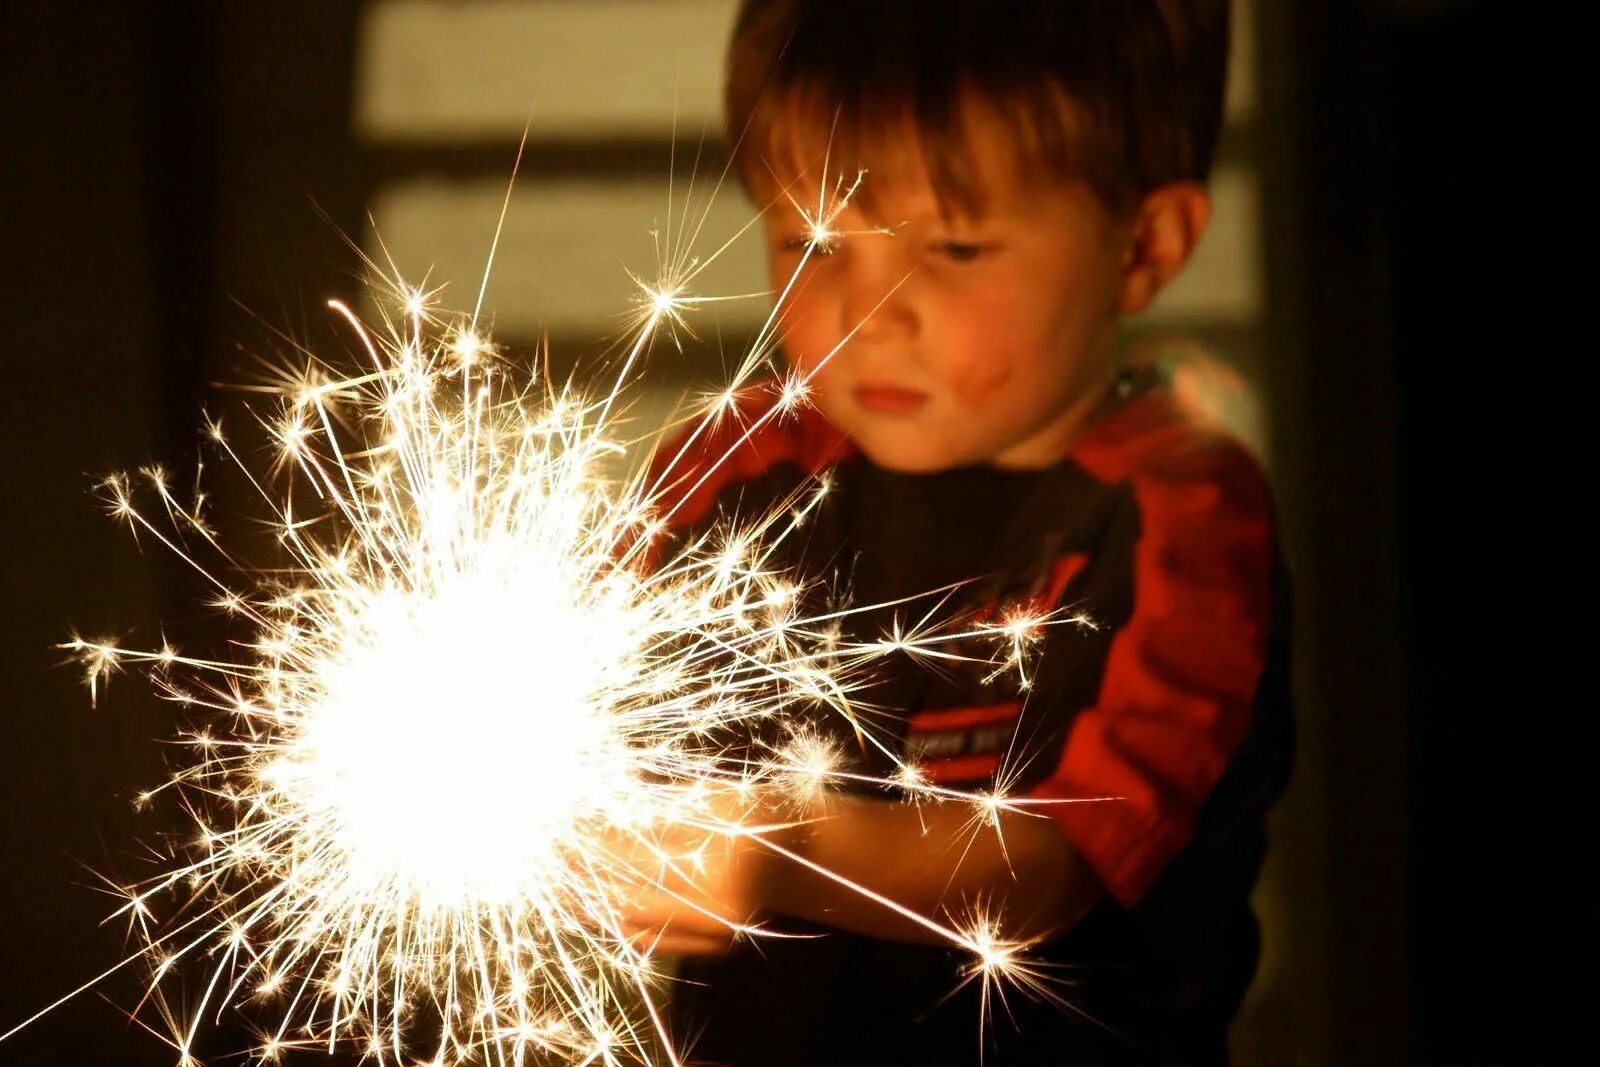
(1160, 530)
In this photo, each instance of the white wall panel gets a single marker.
(469, 70)
(450, 71)
(567, 247)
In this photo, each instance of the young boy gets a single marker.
(1034, 172)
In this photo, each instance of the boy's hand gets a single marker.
(692, 891)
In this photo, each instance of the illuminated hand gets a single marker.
(696, 891)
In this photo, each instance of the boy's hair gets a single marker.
(1126, 94)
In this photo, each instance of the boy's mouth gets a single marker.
(889, 399)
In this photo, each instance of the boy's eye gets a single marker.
(960, 251)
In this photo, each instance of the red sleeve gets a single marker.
(1180, 679)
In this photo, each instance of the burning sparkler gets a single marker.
(472, 595)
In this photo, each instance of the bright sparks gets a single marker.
(471, 681)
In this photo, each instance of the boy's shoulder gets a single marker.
(1163, 445)
(744, 436)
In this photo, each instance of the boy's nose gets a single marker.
(877, 302)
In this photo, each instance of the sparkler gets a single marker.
(471, 682)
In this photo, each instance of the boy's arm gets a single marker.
(1020, 872)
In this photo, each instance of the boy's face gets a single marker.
(955, 342)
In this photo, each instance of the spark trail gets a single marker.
(484, 667)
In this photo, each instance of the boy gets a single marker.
(1034, 172)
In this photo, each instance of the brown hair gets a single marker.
(1126, 94)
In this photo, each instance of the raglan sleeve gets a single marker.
(1177, 696)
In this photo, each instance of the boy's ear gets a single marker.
(1165, 229)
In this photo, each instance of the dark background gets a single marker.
(166, 165)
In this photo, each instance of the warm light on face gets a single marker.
(938, 337)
